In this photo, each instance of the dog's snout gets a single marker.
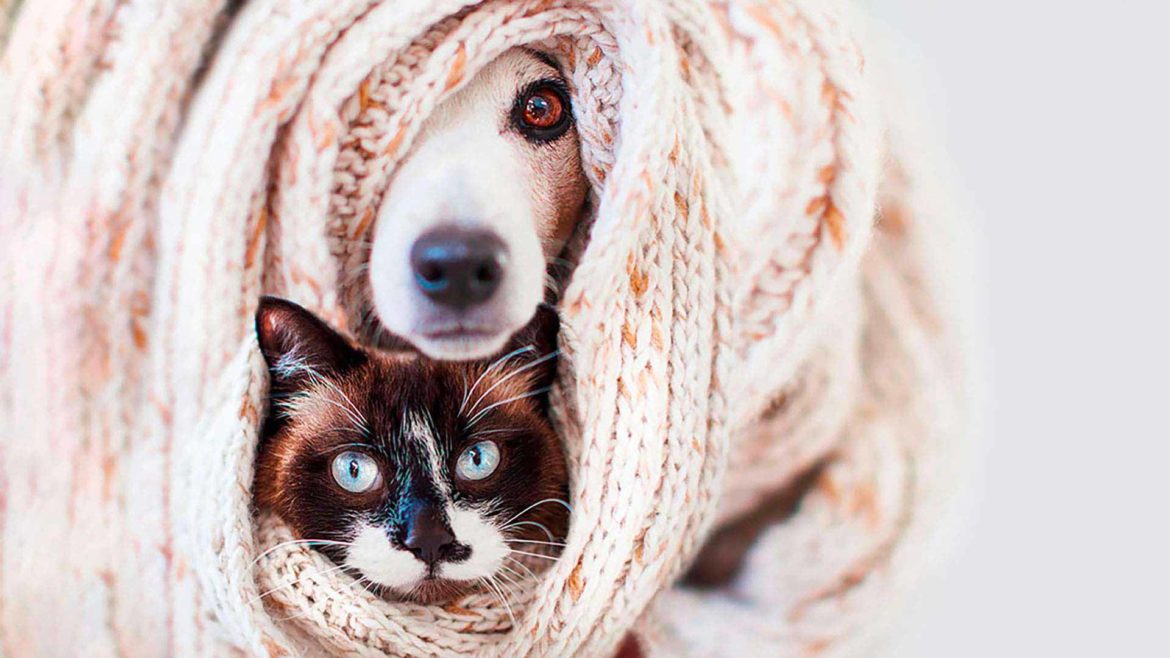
(458, 267)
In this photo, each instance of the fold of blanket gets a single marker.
(733, 318)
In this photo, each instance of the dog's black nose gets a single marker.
(458, 267)
(430, 538)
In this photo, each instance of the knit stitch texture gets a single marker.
(733, 318)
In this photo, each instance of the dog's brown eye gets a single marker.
(543, 109)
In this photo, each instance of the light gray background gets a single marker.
(1057, 118)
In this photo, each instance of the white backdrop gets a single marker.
(1056, 116)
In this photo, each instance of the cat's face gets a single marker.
(420, 476)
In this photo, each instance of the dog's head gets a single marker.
(491, 190)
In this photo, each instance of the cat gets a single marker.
(424, 479)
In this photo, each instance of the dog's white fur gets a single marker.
(469, 167)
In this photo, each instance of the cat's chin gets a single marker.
(431, 591)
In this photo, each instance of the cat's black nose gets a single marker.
(429, 537)
(458, 267)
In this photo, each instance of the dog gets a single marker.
(487, 196)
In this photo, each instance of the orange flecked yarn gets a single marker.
(733, 318)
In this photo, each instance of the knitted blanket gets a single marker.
(733, 319)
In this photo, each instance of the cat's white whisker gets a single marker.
(538, 503)
(346, 405)
(341, 446)
(511, 581)
(479, 416)
(505, 430)
(297, 542)
(508, 570)
(491, 368)
(291, 364)
(513, 526)
(537, 541)
(536, 555)
(496, 587)
(528, 366)
(523, 566)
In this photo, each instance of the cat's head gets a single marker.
(422, 477)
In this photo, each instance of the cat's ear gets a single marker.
(298, 346)
(540, 335)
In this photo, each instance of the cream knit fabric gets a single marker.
(733, 319)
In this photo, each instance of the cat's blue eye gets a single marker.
(478, 461)
(356, 472)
